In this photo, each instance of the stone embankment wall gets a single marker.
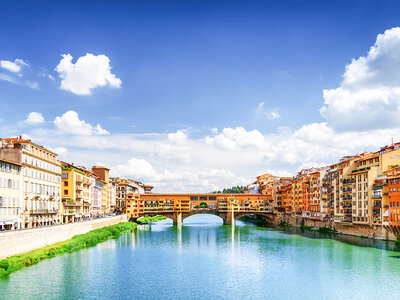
(376, 232)
(21, 241)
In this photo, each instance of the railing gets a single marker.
(43, 211)
(348, 181)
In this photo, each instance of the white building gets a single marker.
(96, 187)
(41, 173)
(10, 194)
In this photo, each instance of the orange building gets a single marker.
(285, 197)
(391, 196)
(297, 195)
(315, 195)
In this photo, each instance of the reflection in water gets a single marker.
(213, 261)
(179, 234)
(348, 239)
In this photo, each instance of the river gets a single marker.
(205, 260)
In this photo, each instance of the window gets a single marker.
(65, 183)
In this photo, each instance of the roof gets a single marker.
(100, 167)
(76, 167)
(26, 141)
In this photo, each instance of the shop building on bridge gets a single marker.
(180, 206)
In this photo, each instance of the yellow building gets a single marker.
(76, 192)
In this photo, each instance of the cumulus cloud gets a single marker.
(178, 162)
(15, 66)
(178, 137)
(203, 180)
(70, 123)
(88, 72)
(61, 151)
(271, 114)
(175, 147)
(236, 138)
(369, 95)
(34, 118)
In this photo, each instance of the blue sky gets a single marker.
(185, 71)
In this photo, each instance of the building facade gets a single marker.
(41, 173)
(10, 195)
(104, 174)
(76, 192)
(96, 190)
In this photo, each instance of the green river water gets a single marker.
(205, 260)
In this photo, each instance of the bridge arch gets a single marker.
(268, 217)
(214, 218)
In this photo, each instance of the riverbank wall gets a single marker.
(21, 241)
(374, 232)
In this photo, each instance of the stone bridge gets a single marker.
(180, 206)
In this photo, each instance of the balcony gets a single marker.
(348, 181)
(43, 211)
(377, 205)
(361, 170)
(71, 203)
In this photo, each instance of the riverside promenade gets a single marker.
(21, 241)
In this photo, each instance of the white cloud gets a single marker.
(178, 137)
(178, 162)
(136, 168)
(8, 78)
(11, 79)
(70, 123)
(271, 114)
(89, 71)
(61, 151)
(34, 118)
(369, 95)
(32, 84)
(236, 138)
(159, 159)
(204, 180)
(15, 66)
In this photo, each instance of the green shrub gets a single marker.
(4, 264)
(326, 230)
(304, 228)
(17, 262)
